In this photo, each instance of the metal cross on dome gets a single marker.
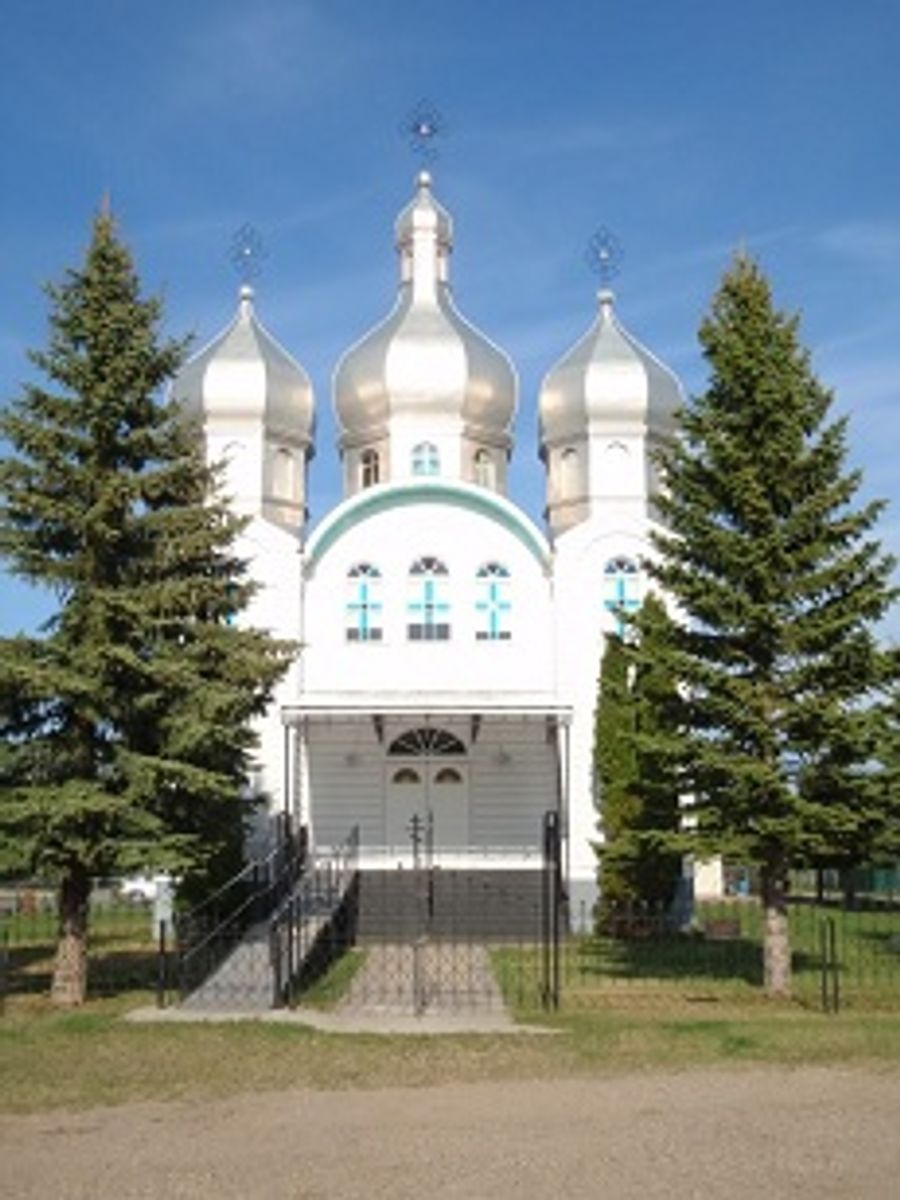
(604, 255)
(247, 253)
(422, 126)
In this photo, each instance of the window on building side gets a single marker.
(485, 470)
(364, 603)
(492, 603)
(428, 609)
(621, 589)
(426, 459)
(283, 475)
(568, 474)
(369, 468)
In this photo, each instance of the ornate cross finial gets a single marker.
(604, 255)
(247, 253)
(421, 127)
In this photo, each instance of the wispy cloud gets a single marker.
(599, 136)
(869, 243)
(262, 56)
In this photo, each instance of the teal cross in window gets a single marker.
(494, 606)
(365, 611)
(430, 607)
(621, 587)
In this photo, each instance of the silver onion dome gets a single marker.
(607, 381)
(244, 373)
(424, 359)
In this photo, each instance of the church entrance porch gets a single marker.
(477, 780)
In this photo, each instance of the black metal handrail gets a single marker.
(206, 935)
(319, 895)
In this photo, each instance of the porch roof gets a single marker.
(425, 707)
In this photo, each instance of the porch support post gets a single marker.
(563, 775)
(286, 782)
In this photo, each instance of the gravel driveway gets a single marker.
(761, 1133)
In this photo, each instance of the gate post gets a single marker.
(550, 896)
(417, 834)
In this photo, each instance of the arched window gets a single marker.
(428, 609)
(485, 469)
(369, 468)
(448, 775)
(568, 474)
(426, 459)
(427, 741)
(406, 775)
(621, 589)
(492, 603)
(364, 603)
(283, 475)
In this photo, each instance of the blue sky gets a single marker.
(687, 128)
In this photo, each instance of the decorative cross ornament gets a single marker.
(604, 255)
(421, 128)
(247, 253)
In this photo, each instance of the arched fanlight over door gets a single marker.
(426, 740)
(448, 775)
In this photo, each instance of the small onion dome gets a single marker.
(607, 381)
(244, 373)
(424, 359)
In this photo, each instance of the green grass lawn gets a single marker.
(92, 1057)
(656, 964)
(121, 946)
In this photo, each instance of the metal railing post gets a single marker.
(161, 972)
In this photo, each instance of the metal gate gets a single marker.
(425, 938)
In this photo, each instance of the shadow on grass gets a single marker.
(29, 970)
(672, 959)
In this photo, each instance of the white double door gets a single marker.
(427, 787)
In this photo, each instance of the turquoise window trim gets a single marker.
(427, 609)
(426, 459)
(622, 587)
(493, 604)
(363, 609)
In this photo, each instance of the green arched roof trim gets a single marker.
(384, 497)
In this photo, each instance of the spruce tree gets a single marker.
(127, 723)
(638, 777)
(779, 582)
(615, 770)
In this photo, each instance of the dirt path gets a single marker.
(770, 1133)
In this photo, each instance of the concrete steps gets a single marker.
(451, 904)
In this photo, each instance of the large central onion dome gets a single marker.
(424, 366)
(607, 382)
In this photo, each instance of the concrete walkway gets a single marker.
(429, 1023)
(445, 978)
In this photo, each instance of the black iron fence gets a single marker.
(841, 955)
(289, 930)
(208, 934)
(121, 941)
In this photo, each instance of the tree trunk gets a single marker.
(70, 969)
(776, 936)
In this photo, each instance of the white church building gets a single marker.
(448, 646)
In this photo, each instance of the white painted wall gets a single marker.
(522, 667)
